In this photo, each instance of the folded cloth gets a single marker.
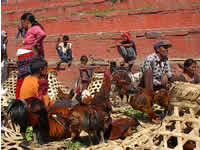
(22, 51)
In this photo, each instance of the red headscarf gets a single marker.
(127, 35)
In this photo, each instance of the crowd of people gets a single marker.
(155, 71)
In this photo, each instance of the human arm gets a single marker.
(196, 79)
(39, 33)
(167, 76)
(33, 36)
(147, 73)
(127, 45)
(20, 31)
(58, 41)
(148, 79)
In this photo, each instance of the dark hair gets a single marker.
(37, 64)
(84, 58)
(65, 38)
(188, 63)
(29, 16)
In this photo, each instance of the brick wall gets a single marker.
(94, 25)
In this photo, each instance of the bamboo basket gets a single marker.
(186, 91)
(96, 83)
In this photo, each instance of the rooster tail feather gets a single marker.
(19, 113)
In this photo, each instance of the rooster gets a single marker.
(88, 118)
(93, 116)
(144, 99)
(62, 95)
(123, 84)
(58, 121)
(51, 124)
(30, 112)
(121, 128)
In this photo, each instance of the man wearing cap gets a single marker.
(156, 69)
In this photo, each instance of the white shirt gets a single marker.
(64, 49)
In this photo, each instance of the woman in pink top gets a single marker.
(35, 33)
(32, 47)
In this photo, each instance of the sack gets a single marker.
(127, 52)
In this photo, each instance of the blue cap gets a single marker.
(159, 44)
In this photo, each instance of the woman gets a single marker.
(32, 46)
(189, 74)
(35, 34)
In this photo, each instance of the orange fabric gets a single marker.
(29, 89)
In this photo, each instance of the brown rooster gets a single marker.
(122, 128)
(30, 112)
(91, 119)
(122, 83)
(144, 99)
(58, 121)
(51, 125)
(93, 116)
(62, 95)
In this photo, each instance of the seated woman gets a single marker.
(189, 72)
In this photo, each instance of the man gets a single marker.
(156, 69)
(64, 50)
(127, 49)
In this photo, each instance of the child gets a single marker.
(85, 72)
(64, 50)
(85, 75)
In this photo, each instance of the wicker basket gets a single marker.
(186, 91)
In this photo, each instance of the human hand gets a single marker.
(164, 80)
(59, 37)
(119, 44)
